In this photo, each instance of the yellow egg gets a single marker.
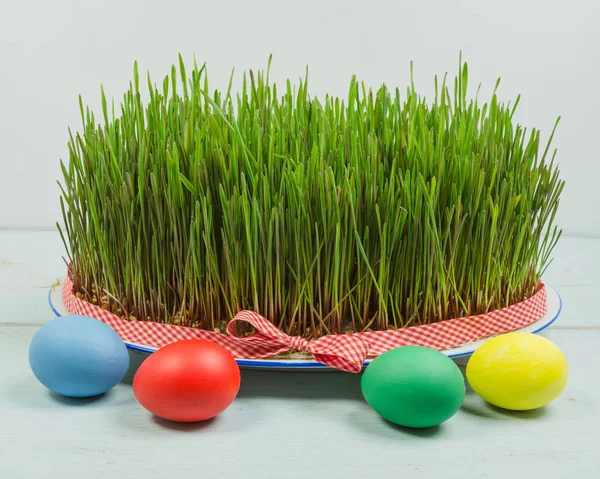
(518, 371)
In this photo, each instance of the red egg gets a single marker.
(187, 381)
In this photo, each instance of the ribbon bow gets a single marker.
(346, 352)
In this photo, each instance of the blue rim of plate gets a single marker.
(292, 364)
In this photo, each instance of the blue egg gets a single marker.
(78, 356)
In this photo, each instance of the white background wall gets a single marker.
(51, 51)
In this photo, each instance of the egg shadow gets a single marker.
(531, 414)
(478, 410)
(78, 401)
(27, 392)
(474, 405)
(367, 421)
(184, 426)
(414, 431)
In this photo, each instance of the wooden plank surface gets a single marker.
(292, 425)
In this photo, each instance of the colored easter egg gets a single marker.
(78, 356)
(518, 371)
(187, 381)
(414, 386)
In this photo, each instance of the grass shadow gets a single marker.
(300, 385)
(136, 358)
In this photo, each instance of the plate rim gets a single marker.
(312, 363)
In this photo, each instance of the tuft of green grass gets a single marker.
(379, 210)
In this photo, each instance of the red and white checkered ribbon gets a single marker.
(346, 352)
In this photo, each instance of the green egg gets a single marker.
(414, 386)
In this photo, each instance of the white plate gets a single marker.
(554, 303)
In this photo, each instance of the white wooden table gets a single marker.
(290, 425)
